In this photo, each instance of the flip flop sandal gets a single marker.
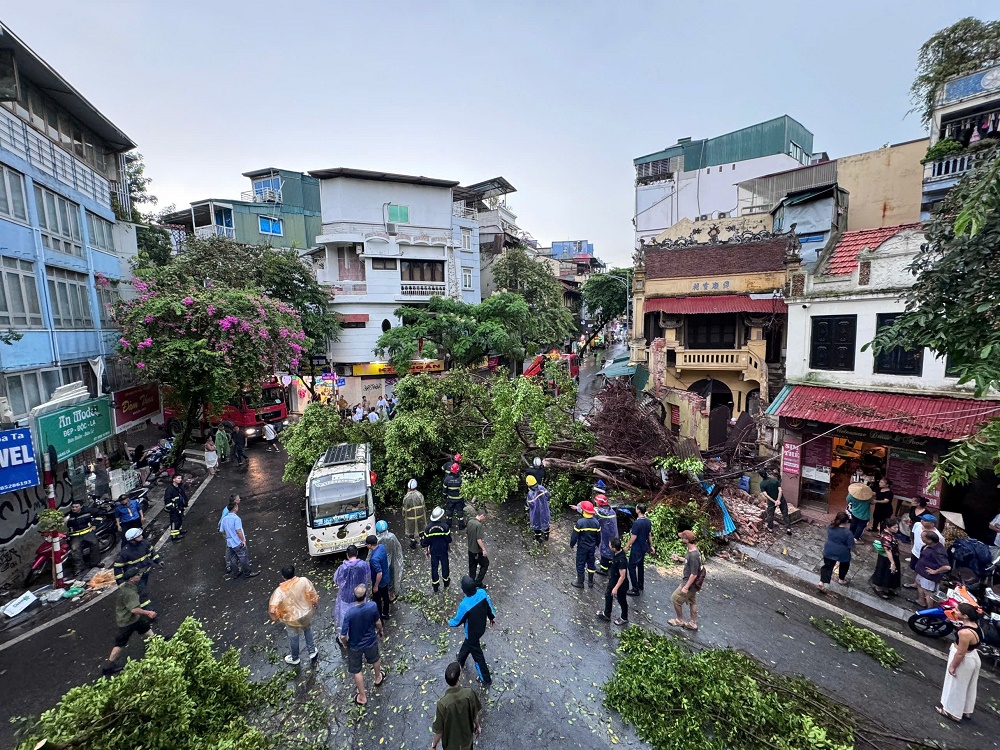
(357, 702)
(381, 682)
(689, 626)
(675, 622)
(620, 622)
(945, 714)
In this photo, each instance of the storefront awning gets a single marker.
(717, 303)
(943, 418)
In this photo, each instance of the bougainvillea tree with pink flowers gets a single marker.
(204, 343)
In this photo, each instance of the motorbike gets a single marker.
(154, 459)
(104, 529)
(939, 621)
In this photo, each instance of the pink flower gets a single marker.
(283, 333)
(140, 286)
(211, 309)
(187, 301)
(145, 344)
(148, 319)
(262, 333)
(124, 343)
(140, 365)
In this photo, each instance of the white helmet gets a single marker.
(412, 484)
(537, 462)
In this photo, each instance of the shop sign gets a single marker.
(816, 457)
(907, 471)
(791, 453)
(931, 491)
(341, 382)
(133, 406)
(328, 377)
(74, 429)
(17, 461)
(384, 368)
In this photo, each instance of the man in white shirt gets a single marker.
(271, 436)
(373, 416)
(381, 404)
(358, 415)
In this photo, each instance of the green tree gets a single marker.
(964, 47)
(460, 333)
(155, 249)
(551, 323)
(206, 342)
(178, 697)
(953, 308)
(607, 296)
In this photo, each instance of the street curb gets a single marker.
(66, 615)
(800, 573)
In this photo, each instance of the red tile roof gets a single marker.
(845, 255)
(944, 418)
(721, 303)
(716, 260)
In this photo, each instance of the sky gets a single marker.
(556, 96)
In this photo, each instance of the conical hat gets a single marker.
(955, 518)
(860, 491)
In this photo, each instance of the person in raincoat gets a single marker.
(222, 446)
(538, 509)
(293, 604)
(352, 572)
(394, 551)
(609, 530)
(414, 513)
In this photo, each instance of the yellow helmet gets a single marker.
(530, 480)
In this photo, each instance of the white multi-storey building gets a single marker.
(387, 240)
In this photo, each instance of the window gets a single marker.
(797, 153)
(107, 298)
(467, 239)
(19, 294)
(897, 361)
(467, 279)
(267, 189)
(711, 331)
(421, 270)
(950, 369)
(353, 324)
(60, 222)
(269, 225)
(12, 203)
(27, 390)
(99, 233)
(399, 214)
(383, 264)
(69, 298)
(833, 342)
(386, 326)
(73, 374)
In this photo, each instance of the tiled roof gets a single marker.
(716, 303)
(844, 258)
(944, 418)
(716, 260)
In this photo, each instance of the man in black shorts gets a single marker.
(131, 618)
(360, 632)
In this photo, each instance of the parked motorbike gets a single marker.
(939, 621)
(154, 459)
(104, 529)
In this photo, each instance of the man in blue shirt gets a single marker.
(360, 632)
(639, 543)
(225, 512)
(236, 543)
(378, 561)
(473, 611)
(128, 515)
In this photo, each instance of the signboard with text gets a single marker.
(133, 406)
(75, 428)
(17, 461)
(384, 368)
(791, 457)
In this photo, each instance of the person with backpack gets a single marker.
(692, 579)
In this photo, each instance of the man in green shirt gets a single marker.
(456, 723)
(478, 561)
(771, 487)
(130, 618)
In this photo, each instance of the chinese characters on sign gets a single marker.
(76, 428)
(705, 286)
(17, 461)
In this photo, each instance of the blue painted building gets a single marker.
(61, 167)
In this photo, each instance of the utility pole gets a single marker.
(50, 493)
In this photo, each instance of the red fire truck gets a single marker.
(248, 411)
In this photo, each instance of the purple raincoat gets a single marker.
(351, 573)
(538, 507)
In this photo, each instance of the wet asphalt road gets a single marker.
(548, 653)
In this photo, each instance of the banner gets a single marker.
(17, 461)
(74, 429)
(384, 368)
(133, 406)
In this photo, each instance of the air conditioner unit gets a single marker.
(343, 371)
(703, 217)
(723, 215)
(391, 229)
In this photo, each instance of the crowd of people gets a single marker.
(382, 409)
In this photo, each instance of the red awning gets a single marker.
(719, 303)
(354, 318)
(944, 418)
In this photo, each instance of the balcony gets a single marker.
(346, 288)
(721, 360)
(265, 195)
(422, 289)
(460, 210)
(214, 230)
(948, 168)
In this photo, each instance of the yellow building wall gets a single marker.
(884, 185)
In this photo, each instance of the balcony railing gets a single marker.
(422, 289)
(729, 360)
(348, 288)
(20, 138)
(953, 166)
(265, 195)
(459, 209)
(214, 230)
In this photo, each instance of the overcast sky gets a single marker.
(558, 97)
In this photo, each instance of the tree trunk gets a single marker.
(176, 457)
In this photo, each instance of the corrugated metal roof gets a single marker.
(943, 418)
(721, 303)
(844, 258)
